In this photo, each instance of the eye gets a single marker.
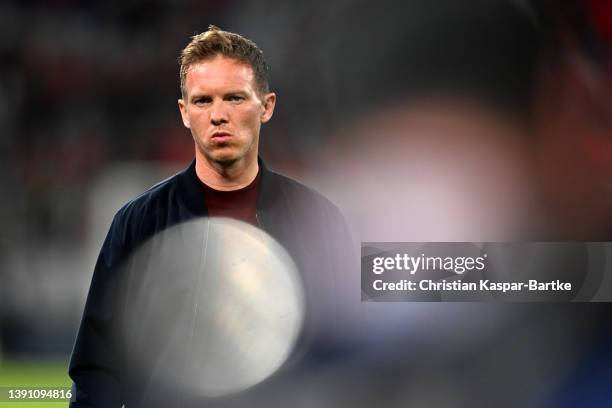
(202, 100)
(235, 98)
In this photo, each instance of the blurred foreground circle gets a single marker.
(214, 306)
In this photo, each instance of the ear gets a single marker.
(269, 101)
(183, 109)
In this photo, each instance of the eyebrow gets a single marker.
(231, 92)
(235, 93)
(204, 95)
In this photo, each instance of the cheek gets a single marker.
(250, 119)
(198, 120)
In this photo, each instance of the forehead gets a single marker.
(219, 73)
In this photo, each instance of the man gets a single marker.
(225, 99)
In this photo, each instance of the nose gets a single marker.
(218, 114)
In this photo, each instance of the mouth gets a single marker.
(221, 137)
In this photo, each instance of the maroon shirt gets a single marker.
(238, 204)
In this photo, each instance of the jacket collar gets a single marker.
(192, 190)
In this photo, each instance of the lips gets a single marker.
(221, 137)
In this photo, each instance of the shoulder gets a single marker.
(145, 208)
(152, 199)
(301, 195)
(139, 219)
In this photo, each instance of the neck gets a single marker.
(226, 177)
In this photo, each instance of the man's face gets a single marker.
(224, 111)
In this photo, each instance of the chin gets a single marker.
(226, 155)
(225, 158)
(226, 161)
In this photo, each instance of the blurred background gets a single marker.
(424, 121)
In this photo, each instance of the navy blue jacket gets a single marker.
(310, 228)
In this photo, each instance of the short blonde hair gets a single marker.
(215, 42)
